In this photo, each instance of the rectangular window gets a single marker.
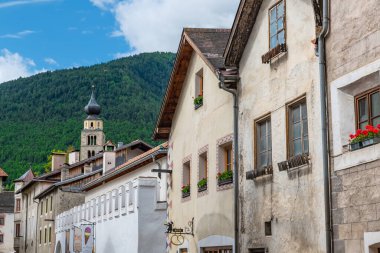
(277, 24)
(227, 150)
(18, 229)
(199, 83)
(2, 221)
(51, 203)
(40, 236)
(47, 205)
(203, 168)
(263, 144)
(42, 207)
(368, 109)
(186, 173)
(18, 205)
(45, 241)
(298, 140)
(49, 234)
(1, 238)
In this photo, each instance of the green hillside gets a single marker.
(45, 112)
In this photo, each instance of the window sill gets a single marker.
(294, 163)
(227, 181)
(202, 189)
(274, 52)
(259, 173)
(185, 195)
(357, 157)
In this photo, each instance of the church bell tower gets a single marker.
(92, 136)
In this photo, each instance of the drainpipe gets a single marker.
(323, 96)
(228, 81)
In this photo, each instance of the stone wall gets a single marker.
(355, 206)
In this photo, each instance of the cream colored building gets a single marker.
(281, 176)
(196, 118)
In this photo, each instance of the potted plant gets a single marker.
(198, 101)
(202, 185)
(185, 191)
(225, 177)
(364, 138)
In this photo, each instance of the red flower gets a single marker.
(368, 127)
(365, 132)
(378, 126)
(352, 136)
(359, 131)
(375, 131)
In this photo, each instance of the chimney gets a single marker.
(109, 160)
(87, 168)
(64, 173)
(119, 144)
(57, 160)
(73, 157)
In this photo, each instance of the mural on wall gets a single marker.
(87, 239)
(77, 239)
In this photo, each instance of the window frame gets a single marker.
(1, 238)
(366, 94)
(277, 31)
(3, 221)
(257, 124)
(289, 106)
(18, 229)
(228, 165)
(18, 205)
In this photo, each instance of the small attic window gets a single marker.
(198, 96)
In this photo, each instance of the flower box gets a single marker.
(225, 181)
(202, 185)
(202, 188)
(185, 194)
(365, 138)
(185, 191)
(198, 102)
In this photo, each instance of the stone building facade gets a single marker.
(281, 178)
(353, 70)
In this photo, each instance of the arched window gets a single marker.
(92, 124)
(98, 125)
(93, 153)
(89, 154)
(95, 140)
(91, 140)
(88, 140)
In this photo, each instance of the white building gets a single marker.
(6, 221)
(124, 210)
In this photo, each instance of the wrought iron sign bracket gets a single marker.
(177, 233)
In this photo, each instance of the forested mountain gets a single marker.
(45, 111)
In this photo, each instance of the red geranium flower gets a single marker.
(352, 136)
(365, 132)
(359, 131)
(378, 126)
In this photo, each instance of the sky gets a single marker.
(41, 35)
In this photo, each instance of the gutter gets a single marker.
(323, 97)
(231, 77)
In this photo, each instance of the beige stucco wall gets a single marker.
(8, 233)
(292, 200)
(191, 131)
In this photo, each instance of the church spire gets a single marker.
(92, 109)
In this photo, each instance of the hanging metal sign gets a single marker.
(177, 237)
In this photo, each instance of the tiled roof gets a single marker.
(2, 173)
(7, 202)
(210, 42)
(26, 177)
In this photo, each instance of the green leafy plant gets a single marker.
(198, 100)
(202, 183)
(227, 174)
(186, 189)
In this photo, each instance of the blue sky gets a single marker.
(60, 34)
(40, 35)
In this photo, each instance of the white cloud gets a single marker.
(22, 2)
(13, 66)
(156, 25)
(51, 61)
(17, 35)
